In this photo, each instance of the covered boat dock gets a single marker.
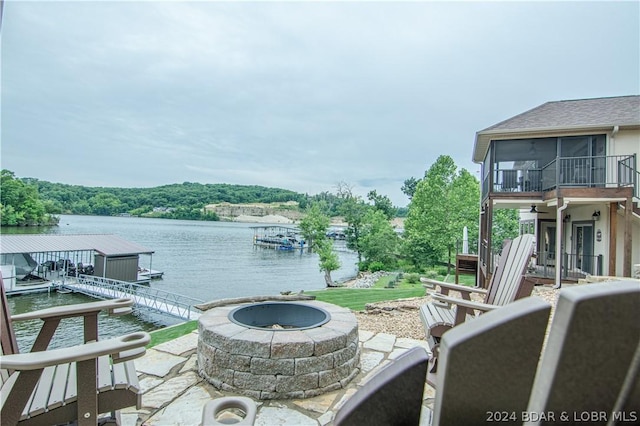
(278, 237)
(54, 257)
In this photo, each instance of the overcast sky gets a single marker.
(295, 95)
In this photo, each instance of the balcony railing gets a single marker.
(573, 265)
(599, 171)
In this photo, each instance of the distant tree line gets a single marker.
(442, 203)
(176, 201)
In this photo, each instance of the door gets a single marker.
(583, 246)
(548, 243)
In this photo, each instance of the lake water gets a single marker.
(203, 260)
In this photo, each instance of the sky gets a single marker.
(298, 95)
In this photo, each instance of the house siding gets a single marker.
(626, 142)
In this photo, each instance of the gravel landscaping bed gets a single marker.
(402, 317)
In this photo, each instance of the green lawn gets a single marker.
(169, 333)
(357, 298)
(351, 298)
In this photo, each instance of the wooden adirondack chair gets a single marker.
(507, 284)
(590, 369)
(54, 386)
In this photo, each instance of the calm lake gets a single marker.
(203, 260)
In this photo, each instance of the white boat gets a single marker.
(145, 273)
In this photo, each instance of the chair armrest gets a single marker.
(115, 307)
(429, 283)
(122, 348)
(218, 405)
(484, 307)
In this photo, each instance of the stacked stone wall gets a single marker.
(275, 364)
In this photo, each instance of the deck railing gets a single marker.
(596, 171)
(574, 266)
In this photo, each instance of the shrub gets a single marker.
(442, 270)
(431, 274)
(376, 266)
(412, 278)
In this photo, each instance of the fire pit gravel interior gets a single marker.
(317, 354)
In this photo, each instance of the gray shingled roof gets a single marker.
(107, 245)
(566, 115)
(622, 111)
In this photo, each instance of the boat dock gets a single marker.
(144, 296)
(278, 237)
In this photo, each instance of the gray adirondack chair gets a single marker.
(507, 284)
(495, 355)
(73, 384)
(487, 366)
(590, 370)
(494, 369)
(392, 397)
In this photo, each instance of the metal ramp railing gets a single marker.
(144, 297)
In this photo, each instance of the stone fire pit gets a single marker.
(277, 350)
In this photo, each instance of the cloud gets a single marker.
(297, 95)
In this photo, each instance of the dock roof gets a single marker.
(105, 244)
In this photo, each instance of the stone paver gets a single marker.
(180, 345)
(397, 352)
(149, 383)
(270, 416)
(403, 342)
(382, 342)
(190, 365)
(157, 363)
(174, 393)
(185, 410)
(319, 404)
(364, 335)
(370, 360)
(166, 392)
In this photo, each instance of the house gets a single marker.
(571, 167)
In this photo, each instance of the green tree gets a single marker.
(314, 225)
(506, 224)
(314, 230)
(378, 241)
(353, 209)
(328, 260)
(465, 208)
(105, 204)
(444, 202)
(382, 203)
(409, 187)
(20, 203)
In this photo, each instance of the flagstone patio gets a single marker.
(174, 393)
